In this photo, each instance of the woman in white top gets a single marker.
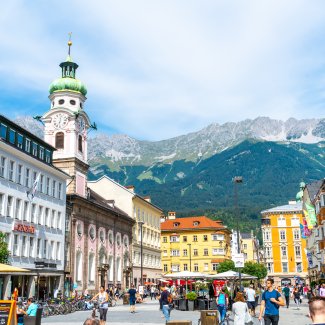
(102, 298)
(240, 309)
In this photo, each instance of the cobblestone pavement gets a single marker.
(148, 313)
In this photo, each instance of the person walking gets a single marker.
(240, 309)
(251, 294)
(132, 298)
(152, 292)
(271, 301)
(296, 296)
(286, 292)
(322, 290)
(102, 298)
(317, 310)
(165, 299)
(222, 303)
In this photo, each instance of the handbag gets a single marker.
(248, 318)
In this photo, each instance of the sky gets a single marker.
(158, 69)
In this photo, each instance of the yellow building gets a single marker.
(195, 244)
(284, 249)
(250, 247)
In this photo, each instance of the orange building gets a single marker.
(284, 249)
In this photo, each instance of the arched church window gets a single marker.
(59, 140)
(80, 143)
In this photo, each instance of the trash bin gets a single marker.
(209, 317)
(126, 299)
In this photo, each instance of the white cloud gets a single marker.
(156, 69)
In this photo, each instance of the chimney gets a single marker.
(130, 188)
(171, 215)
(147, 198)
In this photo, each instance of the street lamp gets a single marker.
(190, 246)
(237, 180)
(140, 223)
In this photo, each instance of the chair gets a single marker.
(34, 320)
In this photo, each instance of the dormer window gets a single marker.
(196, 223)
(176, 224)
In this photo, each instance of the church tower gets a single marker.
(66, 126)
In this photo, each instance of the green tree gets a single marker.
(4, 252)
(255, 269)
(225, 266)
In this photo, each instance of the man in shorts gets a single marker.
(251, 294)
(271, 302)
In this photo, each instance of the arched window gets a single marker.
(91, 268)
(59, 140)
(80, 143)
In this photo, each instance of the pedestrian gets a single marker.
(222, 301)
(102, 297)
(240, 310)
(322, 290)
(271, 301)
(317, 310)
(251, 294)
(152, 292)
(32, 308)
(165, 301)
(132, 299)
(286, 292)
(296, 297)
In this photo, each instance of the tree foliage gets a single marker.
(4, 252)
(225, 266)
(255, 269)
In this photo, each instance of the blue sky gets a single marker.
(157, 69)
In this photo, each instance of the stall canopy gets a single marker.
(230, 275)
(9, 269)
(185, 275)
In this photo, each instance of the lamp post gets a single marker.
(190, 246)
(237, 180)
(140, 223)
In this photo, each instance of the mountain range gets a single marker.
(193, 173)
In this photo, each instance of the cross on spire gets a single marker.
(69, 42)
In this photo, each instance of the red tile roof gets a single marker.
(188, 223)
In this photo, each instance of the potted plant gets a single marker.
(191, 297)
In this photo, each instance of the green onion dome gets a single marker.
(67, 83)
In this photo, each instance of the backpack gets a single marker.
(222, 299)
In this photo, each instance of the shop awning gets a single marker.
(9, 269)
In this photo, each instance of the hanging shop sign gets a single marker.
(24, 228)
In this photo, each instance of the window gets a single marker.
(12, 136)
(206, 252)
(184, 252)
(185, 239)
(284, 267)
(295, 222)
(196, 267)
(11, 170)
(174, 252)
(176, 224)
(53, 188)
(47, 186)
(59, 140)
(165, 268)
(244, 246)
(41, 153)
(34, 149)
(299, 267)
(58, 224)
(80, 143)
(215, 251)
(297, 251)
(267, 235)
(41, 183)
(24, 246)
(296, 234)
(194, 238)
(9, 206)
(19, 174)
(40, 215)
(206, 267)
(174, 239)
(2, 166)
(38, 249)
(175, 268)
(20, 141)
(165, 253)
(281, 221)
(27, 177)
(284, 251)
(282, 234)
(195, 252)
(45, 249)
(27, 145)
(185, 268)
(31, 246)
(58, 249)
(1, 202)
(205, 237)
(47, 217)
(17, 210)
(215, 266)
(15, 246)
(33, 218)
(60, 191)
(3, 131)
(61, 101)
(47, 156)
(164, 239)
(267, 252)
(53, 219)
(269, 267)
(25, 212)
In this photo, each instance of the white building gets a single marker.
(35, 226)
(142, 210)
